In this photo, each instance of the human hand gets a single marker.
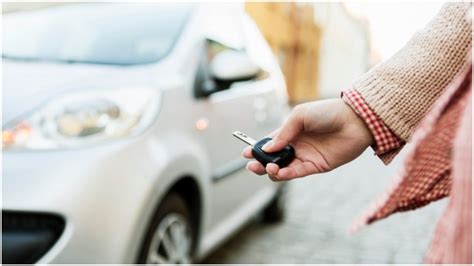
(325, 134)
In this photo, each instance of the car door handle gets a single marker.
(260, 107)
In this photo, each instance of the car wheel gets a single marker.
(275, 211)
(169, 238)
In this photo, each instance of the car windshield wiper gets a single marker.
(17, 58)
(35, 59)
(64, 61)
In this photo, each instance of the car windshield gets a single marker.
(119, 34)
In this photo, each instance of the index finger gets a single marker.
(297, 169)
(247, 153)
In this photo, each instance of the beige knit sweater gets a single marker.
(402, 89)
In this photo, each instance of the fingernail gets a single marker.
(267, 145)
(248, 167)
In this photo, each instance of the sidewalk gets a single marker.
(321, 209)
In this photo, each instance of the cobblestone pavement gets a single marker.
(320, 210)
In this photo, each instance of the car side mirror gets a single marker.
(231, 66)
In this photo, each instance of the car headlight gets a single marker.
(82, 118)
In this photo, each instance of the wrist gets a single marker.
(384, 141)
(357, 124)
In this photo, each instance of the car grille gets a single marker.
(27, 236)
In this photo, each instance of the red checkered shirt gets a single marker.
(387, 144)
(437, 164)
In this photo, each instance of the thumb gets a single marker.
(290, 129)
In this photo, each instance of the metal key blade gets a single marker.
(244, 138)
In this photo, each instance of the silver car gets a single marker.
(116, 133)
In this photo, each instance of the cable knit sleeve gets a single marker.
(402, 89)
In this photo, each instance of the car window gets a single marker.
(256, 45)
(224, 25)
(123, 34)
(213, 48)
(236, 30)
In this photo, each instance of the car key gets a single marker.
(281, 158)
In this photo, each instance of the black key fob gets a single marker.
(281, 158)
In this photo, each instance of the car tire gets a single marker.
(275, 211)
(170, 236)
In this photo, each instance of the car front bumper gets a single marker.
(98, 192)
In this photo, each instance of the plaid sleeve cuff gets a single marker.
(387, 144)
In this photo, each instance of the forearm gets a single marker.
(402, 89)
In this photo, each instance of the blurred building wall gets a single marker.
(345, 48)
(291, 31)
(321, 47)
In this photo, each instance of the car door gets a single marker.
(254, 106)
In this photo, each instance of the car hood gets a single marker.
(26, 85)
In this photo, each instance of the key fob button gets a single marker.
(281, 158)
